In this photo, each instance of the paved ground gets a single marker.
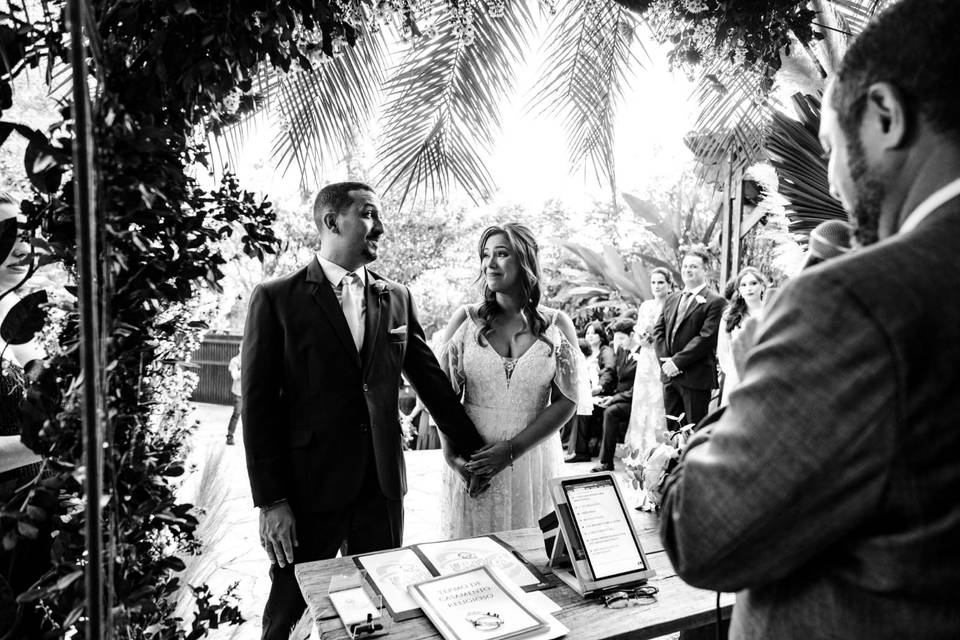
(234, 554)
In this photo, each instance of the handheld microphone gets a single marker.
(827, 241)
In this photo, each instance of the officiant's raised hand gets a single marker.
(278, 533)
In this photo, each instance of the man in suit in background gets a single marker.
(685, 339)
(616, 407)
(826, 494)
(323, 351)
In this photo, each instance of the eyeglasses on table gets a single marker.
(645, 594)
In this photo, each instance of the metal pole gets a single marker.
(88, 290)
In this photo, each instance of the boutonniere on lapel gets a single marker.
(699, 299)
(381, 288)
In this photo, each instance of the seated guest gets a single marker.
(587, 429)
(616, 407)
(600, 362)
(826, 493)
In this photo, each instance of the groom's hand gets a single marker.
(474, 484)
(478, 484)
(278, 533)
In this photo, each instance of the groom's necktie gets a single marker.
(351, 301)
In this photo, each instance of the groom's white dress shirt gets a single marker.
(350, 294)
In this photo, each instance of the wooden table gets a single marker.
(678, 606)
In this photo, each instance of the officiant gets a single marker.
(826, 494)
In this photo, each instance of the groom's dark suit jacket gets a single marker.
(693, 345)
(315, 410)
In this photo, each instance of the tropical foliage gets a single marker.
(796, 154)
(444, 89)
(653, 232)
(748, 35)
(449, 73)
(160, 71)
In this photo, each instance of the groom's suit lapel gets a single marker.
(371, 332)
(324, 295)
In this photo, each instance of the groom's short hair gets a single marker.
(335, 197)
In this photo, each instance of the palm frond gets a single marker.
(856, 14)
(444, 102)
(588, 62)
(325, 109)
(797, 156)
(733, 118)
(320, 111)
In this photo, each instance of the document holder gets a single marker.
(596, 547)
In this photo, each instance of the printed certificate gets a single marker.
(451, 556)
(391, 572)
(476, 605)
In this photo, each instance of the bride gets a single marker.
(513, 363)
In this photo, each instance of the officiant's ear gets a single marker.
(330, 220)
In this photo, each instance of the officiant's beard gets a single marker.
(869, 192)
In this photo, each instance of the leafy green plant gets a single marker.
(630, 281)
(161, 70)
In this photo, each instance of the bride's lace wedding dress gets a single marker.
(502, 396)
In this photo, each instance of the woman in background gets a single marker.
(747, 302)
(513, 363)
(647, 416)
(586, 428)
(600, 361)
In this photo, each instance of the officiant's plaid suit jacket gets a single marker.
(828, 494)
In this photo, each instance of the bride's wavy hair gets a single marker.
(524, 246)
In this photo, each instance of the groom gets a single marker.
(323, 351)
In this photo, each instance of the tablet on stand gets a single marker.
(597, 547)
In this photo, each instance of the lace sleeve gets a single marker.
(567, 373)
(451, 358)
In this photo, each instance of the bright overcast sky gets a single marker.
(531, 163)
